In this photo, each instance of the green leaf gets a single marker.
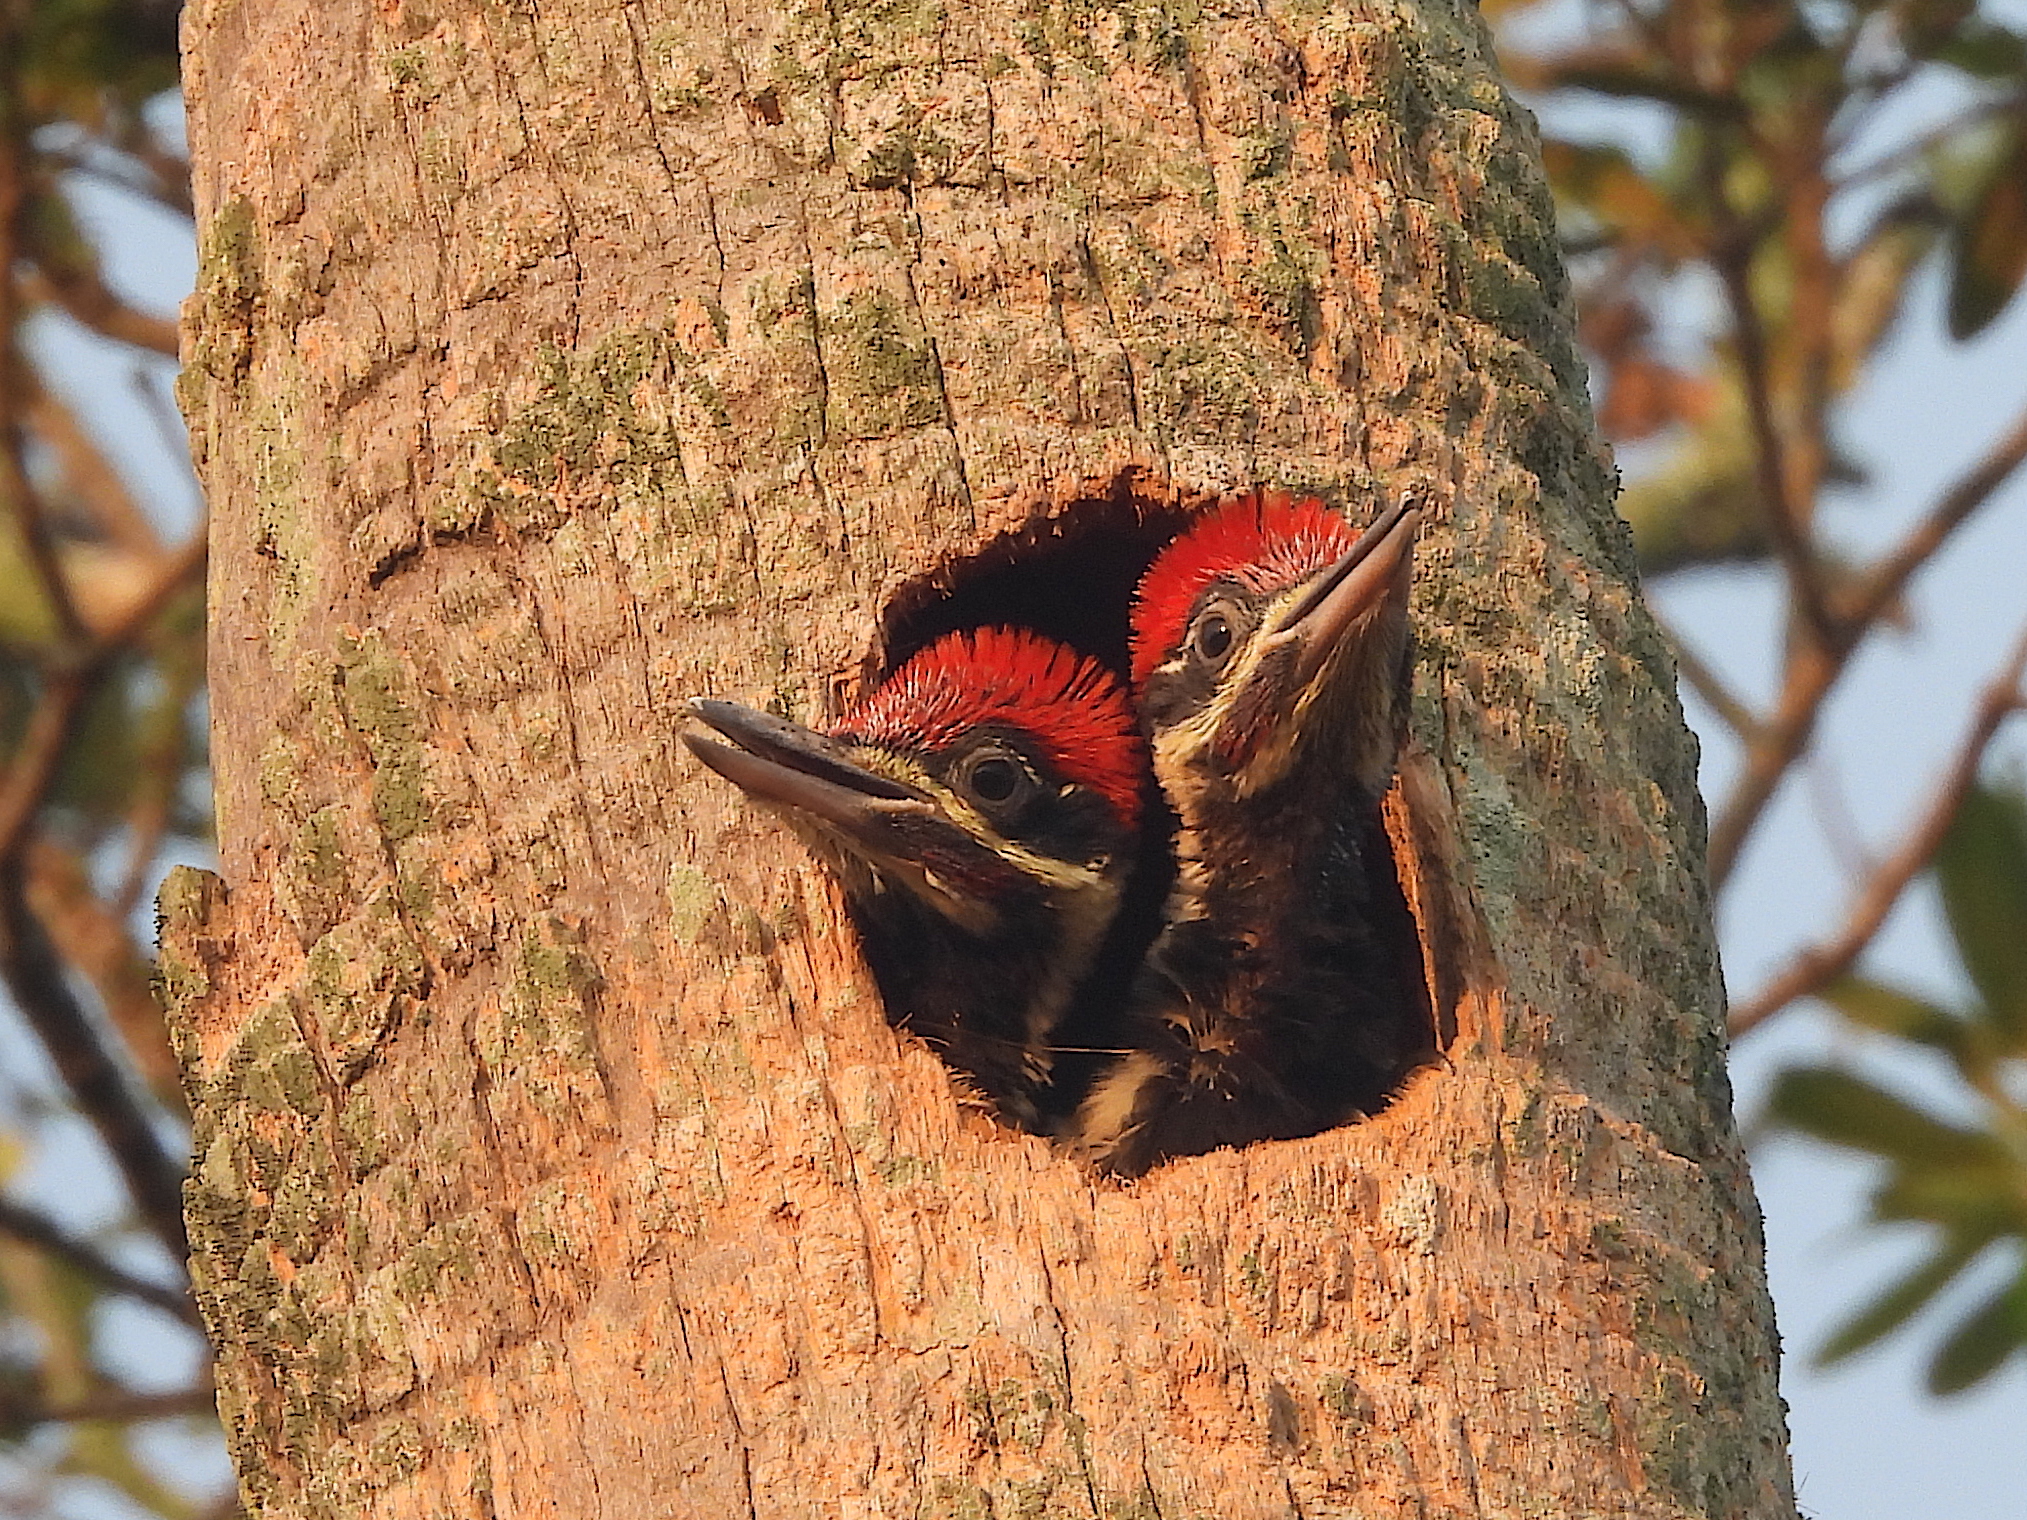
(103, 1449)
(1985, 50)
(1976, 1347)
(1877, 275)
(1703, 506)
(1788, 65)
(1844, 1109)
(100, 768)
(1607, 186)
(1990, 247)
(1966, 1196)
(26, 618)
(1897, 1304)
(1874, 1005)
(74, 52)
(1982, 868)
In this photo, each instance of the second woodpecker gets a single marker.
(1271, 663)
(980, 810)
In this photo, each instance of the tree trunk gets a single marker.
(550, 366)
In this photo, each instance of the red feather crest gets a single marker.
(1073, 706)
(1266, 541)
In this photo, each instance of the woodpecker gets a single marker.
(1271, 663)
(980, 810)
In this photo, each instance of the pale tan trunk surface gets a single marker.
(552, 364)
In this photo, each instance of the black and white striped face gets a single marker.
(1260, 681)
(1004, 833)
(983, 827)
(1186, 683)
(981, 873)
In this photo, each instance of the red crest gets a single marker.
(1266, 541)
(1073, 707)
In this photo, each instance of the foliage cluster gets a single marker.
(1964, 1174)
(1751, 193)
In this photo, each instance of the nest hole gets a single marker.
(1071, 575)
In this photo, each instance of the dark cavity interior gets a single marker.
(1070, 578)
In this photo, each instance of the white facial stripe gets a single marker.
(1274, 751)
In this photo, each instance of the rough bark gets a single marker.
(551, 365)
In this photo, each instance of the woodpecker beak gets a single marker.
(1370, 571)
(796, 767)
(786, 763)
(888, 824)
(1327, 661)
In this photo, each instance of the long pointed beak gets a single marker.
(1336, 632)
(792, 766)
(1363, 578)
(904, 832)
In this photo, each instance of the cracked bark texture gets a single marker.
(553, 363)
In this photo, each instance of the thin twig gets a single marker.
(1917, 147)
(1808, 324)
(158, 177)
(1817, 967)
(1786, 514)
(17, 490)
(132, 134)
(96, 938)
(29, 964)
(1813, 668)
(1811, 672)
(1883, 586)
(123, 1404)
(161, 762)
(1873, 94)
(168, 428)
(36, 1229)
(89, 301)
(89, 474)
(68, 688)
(36, 977)
(39, 541)
(41, 546)
(147, 827)
(1711, 687)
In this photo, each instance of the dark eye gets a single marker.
(996, 779)
(1213, 637)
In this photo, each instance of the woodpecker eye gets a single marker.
(1214, 637)
(1214, 633)
(996, 779)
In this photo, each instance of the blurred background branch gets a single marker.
(105, 1393)
(38, 1230)
(1752, 194)
(1819, 966)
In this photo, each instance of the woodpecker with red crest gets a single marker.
(1272, 662)
(980, 810)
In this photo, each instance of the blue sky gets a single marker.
(1867, 1441)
